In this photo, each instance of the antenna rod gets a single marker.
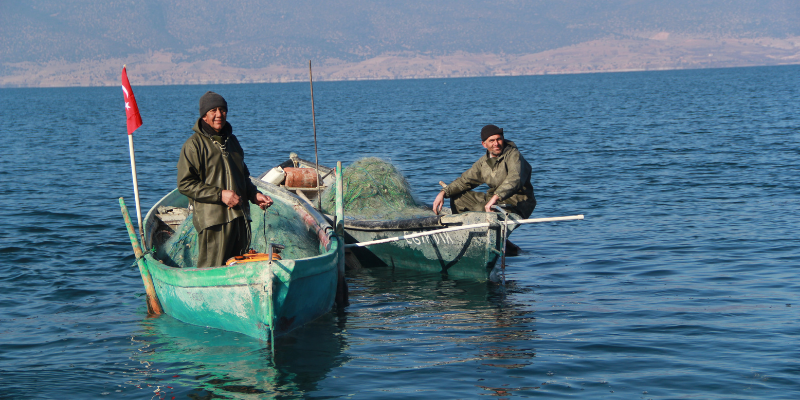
(314, 119)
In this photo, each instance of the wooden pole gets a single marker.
(460, 228)
(153, 305)
(314, 119)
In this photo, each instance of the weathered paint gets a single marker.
(153, 305)
(234, 298)
(237, 297)
(469, 253)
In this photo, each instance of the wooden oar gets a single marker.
(459, 228)
(153, 305)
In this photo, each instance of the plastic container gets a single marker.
(275, 176)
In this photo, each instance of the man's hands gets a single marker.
(438, 202)
(491, 203)
(263, 201)
(231, 199)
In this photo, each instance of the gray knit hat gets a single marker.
(210, 101)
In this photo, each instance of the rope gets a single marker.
(144, 253)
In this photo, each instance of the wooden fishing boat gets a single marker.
(462, 253)
(262, 299)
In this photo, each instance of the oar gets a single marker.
(153, 306)
(459, 228)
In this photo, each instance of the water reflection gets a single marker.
(209, 363)
(427, 327)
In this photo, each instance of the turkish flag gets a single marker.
(131, 109)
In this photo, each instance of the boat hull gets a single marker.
(469, 253)
(259, 299)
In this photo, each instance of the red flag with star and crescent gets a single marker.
(131, 109)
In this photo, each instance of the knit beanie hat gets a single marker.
(210, 101)
(490, 130)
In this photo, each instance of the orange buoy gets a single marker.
(301, 177)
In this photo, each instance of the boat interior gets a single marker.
(286, 227)
(284, 175)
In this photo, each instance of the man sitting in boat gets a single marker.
(502, 168)
(213, 175)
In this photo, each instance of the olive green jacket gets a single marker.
(204, 170)
(509, 179)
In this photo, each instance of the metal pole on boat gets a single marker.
(505, 241)
(270, 303)
(339, 200)
(136, 190)
(314, 120)
(342, 291)
(134, 121)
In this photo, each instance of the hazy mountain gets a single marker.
(39, 37)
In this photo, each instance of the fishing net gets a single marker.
(278, 224)
(180, 250)
(375, 190)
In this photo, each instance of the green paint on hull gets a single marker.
(255, 298)
(460, 254)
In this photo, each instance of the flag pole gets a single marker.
(133, 158)
(136, 189)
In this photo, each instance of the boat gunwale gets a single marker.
(321, 226)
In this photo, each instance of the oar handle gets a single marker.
(463, 227)
(153, 305)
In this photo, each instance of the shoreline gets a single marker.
(662, 52)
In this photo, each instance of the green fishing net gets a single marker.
(180, 250)
(278, 224)
(375, 190)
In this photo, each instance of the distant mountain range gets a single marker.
(85, 43)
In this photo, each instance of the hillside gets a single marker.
(57, 43)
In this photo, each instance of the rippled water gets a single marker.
(680, 283)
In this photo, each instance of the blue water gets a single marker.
(682, 281)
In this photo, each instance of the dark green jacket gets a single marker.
(509, 179)
(204, 170)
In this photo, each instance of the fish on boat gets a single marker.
(459, 253)
(292, 284)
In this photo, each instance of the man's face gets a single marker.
(215, 117)
(494, 144)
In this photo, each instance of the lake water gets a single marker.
(682, 281)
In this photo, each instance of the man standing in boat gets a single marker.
(502, 168)
(213, 175)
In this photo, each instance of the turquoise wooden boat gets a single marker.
(262, 299)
